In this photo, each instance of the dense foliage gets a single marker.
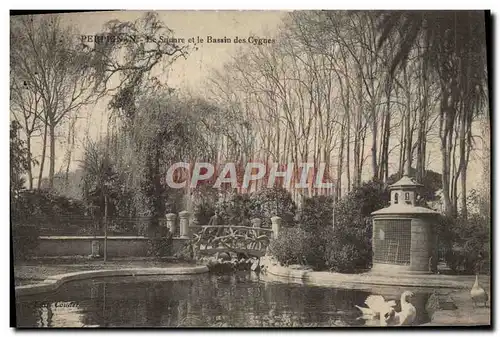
(46, 205)
(24, 240)
(236, 210)
(345, 252)
(344, 248)
(431, 181)
(205, 199)
(350, 245)
(161, 243)
(465, 243)
(52, 212)
(239, 209)
(101, 181)
(31, 209)
(275, 201)
(298, 246)
(203, 212)
(316, 213)
(18, 160)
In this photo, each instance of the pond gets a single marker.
(241, 299)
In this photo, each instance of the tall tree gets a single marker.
(126, 69)
(49, 62)
(26, 107)
(18, 160)
(455, 51)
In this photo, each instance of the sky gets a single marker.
(187, 24)
(188, 74)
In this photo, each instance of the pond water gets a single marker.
(241, 299)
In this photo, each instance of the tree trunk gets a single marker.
(105, 228)
(357, 132)
(374, 142)
(52, 155)
(42, 160)
(446, 147)
(348, 149)
(30, 166)
(485, 196)
(338, 186)
(402, 146)
(384, 138)
(71, 145)
(408, 130)
(423, 120)
(361, 157)
(461, 165)
(463, 185)
(387, 137)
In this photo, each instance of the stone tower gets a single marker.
(403, 234)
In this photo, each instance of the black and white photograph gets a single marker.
(250, 169)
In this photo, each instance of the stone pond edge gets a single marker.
(52, 283)
(271, 266)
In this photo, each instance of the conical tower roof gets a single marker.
(406, 182)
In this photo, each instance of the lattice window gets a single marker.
(392, 241)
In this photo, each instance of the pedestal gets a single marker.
(184, 224)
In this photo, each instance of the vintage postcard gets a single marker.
(258, 169)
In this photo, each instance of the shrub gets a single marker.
(316, 213)
(362, 200)
(186, 253)
(465, 242)
(121, 226)
(345, 248)
(203, 212)
(205, 201)
(47, 205)
(19, 160)
(24, 241)
(444, 231)
(349, 246)
(236, 210)
(297, 246)
(161, 243)
(50, 211)
(344, 253)
(269, 202)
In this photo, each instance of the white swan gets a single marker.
(377, 308)
(407, 314)
(478, 294)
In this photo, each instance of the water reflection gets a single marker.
(237, 300)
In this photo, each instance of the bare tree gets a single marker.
(47, 59)
(455, 49)
(26, 106)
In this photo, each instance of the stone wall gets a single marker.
(422, 245)
(118, 246)
(123, 246)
